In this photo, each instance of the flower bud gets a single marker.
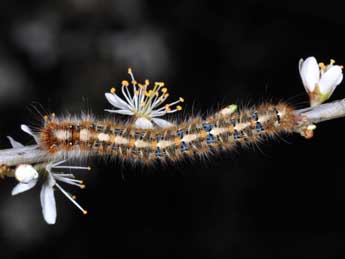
(25, 173)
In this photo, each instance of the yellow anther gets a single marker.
(156, 94)
(134, 82)
(160, 83)
(82, 186)
(136, 92)
(89, 168)
(53, 114)
(74, 197)
(125, 83)
(149, 93)
(181, 100)
(45, 117)
(167, 107)
(113, 90)
(147, 82)
(332, 61)
(322, 65)
(141, 86)
(81, 181)
(85, 212)
(178, 107)
(142, 104)
(164, 90)
(166, 95)
(130, 71)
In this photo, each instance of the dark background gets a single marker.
(283, 198)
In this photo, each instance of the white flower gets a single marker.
(319, 80)
(28, 176)
(144, 104)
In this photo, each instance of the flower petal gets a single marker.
(14, 143)
(116, 101)
(22, 187)
(48, 203)
(123, 112)
(310, 73)
(162, 123)
(143, 123)
(50, 179)
(27, 130)
(330, 79)
(300, 64)
(340, 79)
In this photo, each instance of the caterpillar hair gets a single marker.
(196, 137)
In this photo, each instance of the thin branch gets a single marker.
(33, 154)
(324, 112)
(22, 155)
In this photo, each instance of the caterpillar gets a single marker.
(195, 137)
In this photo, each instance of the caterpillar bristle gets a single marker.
(196, 137)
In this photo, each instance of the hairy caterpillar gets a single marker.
(74, 138)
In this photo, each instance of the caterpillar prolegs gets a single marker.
(73, 138)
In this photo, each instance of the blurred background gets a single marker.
(283, 198)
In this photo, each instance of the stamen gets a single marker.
(164, 90)
(178, 107)
(167, 108)
(70, 181)
(332, 61)
(322, 65)
(71, 199)
(125, 83)
(52, 165)
(181, 100)
(73, 167)
(149, 93)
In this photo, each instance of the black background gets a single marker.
(282, 198)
